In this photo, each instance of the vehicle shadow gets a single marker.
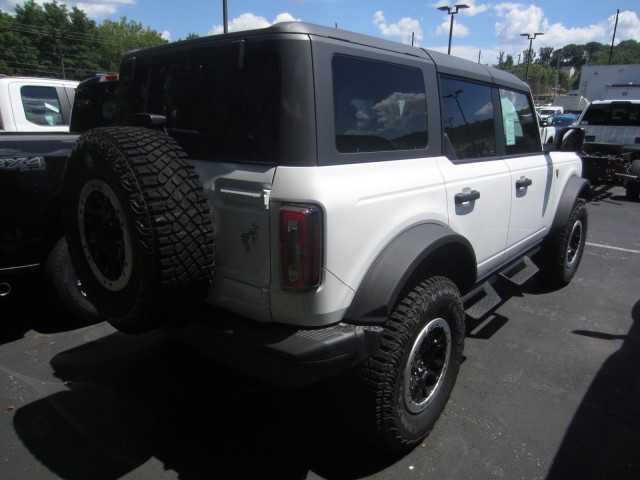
(603, 439)
(133, 399)
(606, 191)
(27, 307)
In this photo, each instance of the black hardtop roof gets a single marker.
(444, 63)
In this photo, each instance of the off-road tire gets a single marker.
(63, 286)
(633, 186)
(138, 226)
(395, 398)
(561, 253)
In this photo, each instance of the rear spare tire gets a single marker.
(138, 226)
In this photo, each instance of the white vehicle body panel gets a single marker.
(484, 222)
(531, 214)
(12, 113)
(367, 206)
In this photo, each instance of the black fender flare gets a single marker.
(416, 253)
(576, 187)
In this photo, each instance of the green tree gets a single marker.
(10, 44)
(544, 55)
(51, 40)
(117, 38)
(508, 63)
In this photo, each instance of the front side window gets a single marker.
(378, 106)
(41, 105)
(521, 131)
(468, 121)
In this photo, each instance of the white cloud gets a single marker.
(516, 19)
(519, 19)
(474, 9)
(249, 21)
(628, 26)
(166, 35)
(406, 28)
(470, 52)
(459, 30)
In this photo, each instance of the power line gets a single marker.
(70, 35)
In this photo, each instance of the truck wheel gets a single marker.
(633, 187)
(396, 397)
(64, 286)
(561, 254)
(138, 226)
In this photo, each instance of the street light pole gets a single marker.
(526, 76)
(452, 13)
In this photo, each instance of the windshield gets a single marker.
(563, 121)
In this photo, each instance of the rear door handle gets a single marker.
(467, 195)
(523, 182)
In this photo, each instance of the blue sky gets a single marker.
(482, 30)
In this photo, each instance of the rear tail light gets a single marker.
(300, 247)
(110, 77)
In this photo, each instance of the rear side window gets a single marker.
(41, 105)
(612, 114)
(521, 133)
(378, 106)
(468, 119)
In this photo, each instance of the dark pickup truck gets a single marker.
(31, 226)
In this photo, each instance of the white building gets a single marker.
(597, 79)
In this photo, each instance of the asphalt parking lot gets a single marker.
(549, 389)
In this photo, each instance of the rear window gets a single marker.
(612, 114)
(220, 104)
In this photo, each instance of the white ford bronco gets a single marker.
(308, 204)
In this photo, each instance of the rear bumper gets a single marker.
(280, 355)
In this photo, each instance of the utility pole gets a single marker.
(614, 36)
(224, 16)
(479, 54)
(57, 36)
(557, 76)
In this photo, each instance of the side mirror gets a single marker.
(569, 139)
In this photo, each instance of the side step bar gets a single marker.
(520, 272)
(484, 299)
